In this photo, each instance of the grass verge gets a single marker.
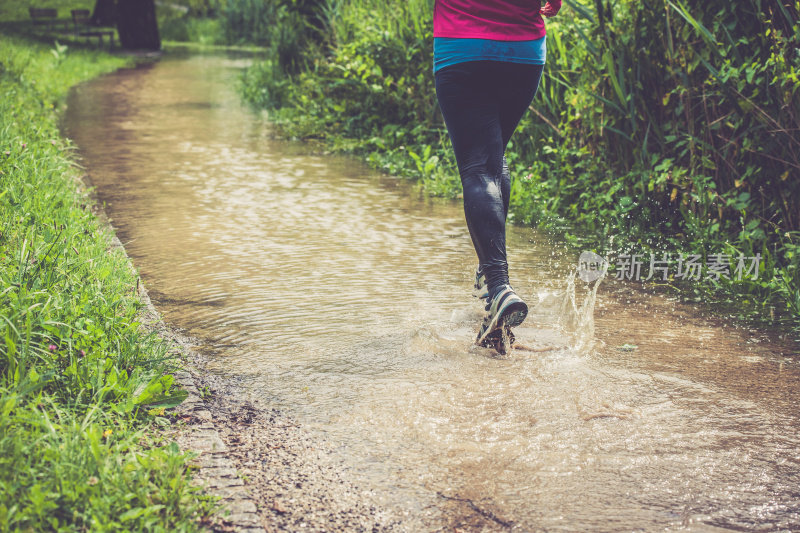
(82, 387)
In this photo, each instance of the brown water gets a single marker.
(342, 297)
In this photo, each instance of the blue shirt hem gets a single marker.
(450, 51)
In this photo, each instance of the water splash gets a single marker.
(576, 312)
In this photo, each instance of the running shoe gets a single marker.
(505, 309)
(480, 289)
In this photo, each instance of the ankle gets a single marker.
(496, 289)
(496, 278)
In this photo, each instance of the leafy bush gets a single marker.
(693, 113)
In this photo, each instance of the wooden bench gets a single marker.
(81, 20)
(46, 16)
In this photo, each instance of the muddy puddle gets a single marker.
(343, 298)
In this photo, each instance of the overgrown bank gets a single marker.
(82, 388)
(659, 128)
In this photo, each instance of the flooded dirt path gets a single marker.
(342, 298)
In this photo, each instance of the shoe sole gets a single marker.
(512, 316)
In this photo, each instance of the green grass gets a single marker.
(82, 386)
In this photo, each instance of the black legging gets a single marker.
(482, 103)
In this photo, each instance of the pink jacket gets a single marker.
(499, 20)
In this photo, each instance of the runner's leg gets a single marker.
(465, 95)
(481, 115)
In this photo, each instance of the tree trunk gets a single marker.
(104, 13)
(137, 25)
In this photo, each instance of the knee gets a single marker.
(478, 184)
(484, 157)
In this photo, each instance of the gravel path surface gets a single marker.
(290, 476)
